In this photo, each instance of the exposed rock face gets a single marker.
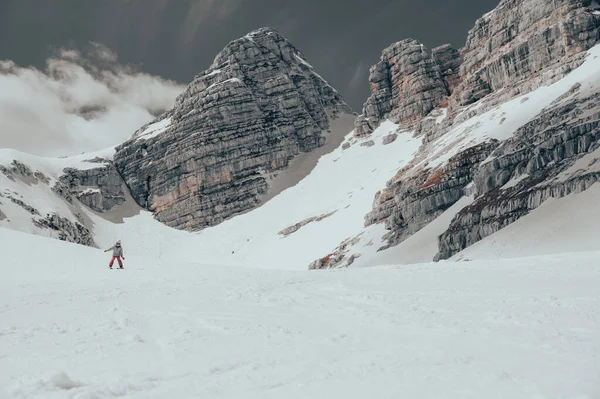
(338, 258)
(66, 230)
(60, 226)
(524, 38)
(448, 60)
(556, 154)
(389, 139)
(406, 84)
(258, 106)
(412, 200)
(518, 47)
(23, 205)
(294, 228)
(100, 188)
(20, 171)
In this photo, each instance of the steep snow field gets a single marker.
(71, 328)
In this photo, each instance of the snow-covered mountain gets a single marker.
(430, 161)
(483, 158)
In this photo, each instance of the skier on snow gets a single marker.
(117, 254)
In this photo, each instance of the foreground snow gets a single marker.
(71, 328)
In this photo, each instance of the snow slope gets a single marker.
(343, 183)
(524, 328)
(140, 232)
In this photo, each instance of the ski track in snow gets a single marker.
(71, 328)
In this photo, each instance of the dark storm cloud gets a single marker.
(178, 38)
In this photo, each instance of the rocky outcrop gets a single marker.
(389, 139)
(523, 39)
(414, 198)
(406, 84)
(340, 257)
(100, 189)
(518, 47)
(258, 106)
(22, 172)
(556, 154)
(294, 228)
(66, 227)
(23, 205)
(66, 230)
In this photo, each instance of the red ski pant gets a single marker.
(118, 258)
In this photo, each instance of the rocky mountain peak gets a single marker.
(236, 126)
(513, 50)
(408, 83)
(267, 38)
(519, 45)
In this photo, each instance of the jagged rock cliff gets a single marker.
(100, 189)
(516, 48)
(556, 154)
(520, 45)
(412, 199)
(257, 107)
(407, 84)
(524, 39)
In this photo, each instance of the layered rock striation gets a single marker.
(412, 199)
(100, 189)
(519, 46)
(52, 224)
(525, 39)
(516, 48)
(556, 154)
(407, 84)
(258, 106)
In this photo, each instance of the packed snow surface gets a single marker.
(72, 328)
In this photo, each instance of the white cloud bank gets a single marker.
(80, 102)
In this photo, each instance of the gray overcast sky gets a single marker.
(176, 39)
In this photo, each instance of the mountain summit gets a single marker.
(234, 128)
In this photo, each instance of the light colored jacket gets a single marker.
(117, 251)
